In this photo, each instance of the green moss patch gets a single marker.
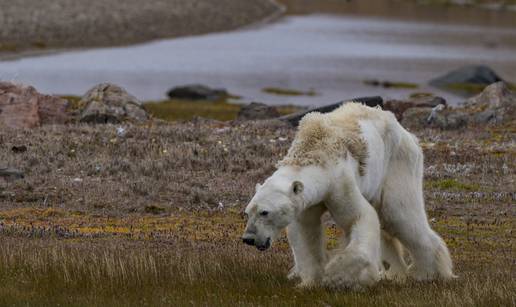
(473, 88)
(287, 92)
(451, 184)
(389, 84)
(174, 110)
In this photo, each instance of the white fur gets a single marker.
(391, 184)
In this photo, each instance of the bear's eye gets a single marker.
(264, 213)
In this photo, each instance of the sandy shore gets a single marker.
(35, 26)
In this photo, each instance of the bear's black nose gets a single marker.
(248, 241)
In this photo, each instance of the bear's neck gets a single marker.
(315, 180)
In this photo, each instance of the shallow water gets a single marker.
(330, 54)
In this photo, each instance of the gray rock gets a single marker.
(11, 173)
(421, 118)
(474, 74)
(485, 116)
(497, 103)
(197, 92)
(453, 120)
(398, 107)
(256, 110)
(109, 103)
(416, 118)
(497, 97)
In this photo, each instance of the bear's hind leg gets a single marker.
(403, 214)
(392, 254)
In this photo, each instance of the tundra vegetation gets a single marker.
(152, 216)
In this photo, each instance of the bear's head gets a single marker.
(272, 208)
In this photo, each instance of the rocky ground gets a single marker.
(40, 26)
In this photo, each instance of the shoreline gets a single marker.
(18, 38)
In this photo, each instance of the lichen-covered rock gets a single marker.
(22, 106)
(256, 110)
(398, 107)
(446, 119)
(109, 103)
(494, 105)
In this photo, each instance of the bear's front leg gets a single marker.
(306, 239)
(351, 269)
(357, 264)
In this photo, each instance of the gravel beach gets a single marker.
(35, 25)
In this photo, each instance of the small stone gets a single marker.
(19, 149)
(11, 173)
(120, 131)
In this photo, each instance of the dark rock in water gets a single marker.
(294, 119)
(256, 110)
(197, 92)
(398, 107)
(472, 75)
(22, 106)
(11, 173)
(109, 103)
(497, 103)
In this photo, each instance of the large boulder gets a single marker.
(110, 103)
(497, 103)
(398, 107)
(473, 75)
(256, 110)
(197, 92)
(22, 106)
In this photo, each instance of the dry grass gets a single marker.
(153, 218)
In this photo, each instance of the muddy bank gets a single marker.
(33, 25)
(438, 12)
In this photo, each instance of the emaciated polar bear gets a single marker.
(363, 167)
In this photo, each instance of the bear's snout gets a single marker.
(265, 245)
(248, 241)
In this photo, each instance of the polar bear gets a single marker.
(360, 165)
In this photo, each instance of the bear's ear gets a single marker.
(257, 187)
(297, 187)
